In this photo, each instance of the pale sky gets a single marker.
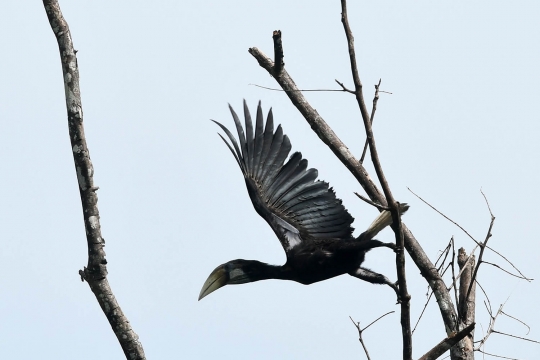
(463, 116)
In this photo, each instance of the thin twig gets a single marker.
(487, 298)
(514, 336)
(443, 215)
(378, 206)
(429, 294)
(482, 248)
(506, 271)
(422, 313)
(509, 262)
(510, 316)
(375, 100)
(497, 356)
(490, 327)
(360, 331)
(377, 319)
(300, 90)
(344, 87)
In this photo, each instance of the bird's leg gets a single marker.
(375, 278)
(370, 244)
(390, 245)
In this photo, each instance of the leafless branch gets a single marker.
(511, 317)
(302, 90)
(430, 293)
(447, 343)
(446, 217)
(506, 271)
(497, 356)
(480, 256)
(378, 206)
(422, 313)
(343, 87)
(95, 273)
(278, 51)
(490, 327)
(360, 331)
(488, 305)
(509, 262)
(514, 336)
(373, 109)
(392, 204)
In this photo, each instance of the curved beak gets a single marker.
(218, 278)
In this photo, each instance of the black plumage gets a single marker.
(312, 225)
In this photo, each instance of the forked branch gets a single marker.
(361, 331)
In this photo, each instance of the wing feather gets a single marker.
(297, 207)
(258, 141)
(249, 138)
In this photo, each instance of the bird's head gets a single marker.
(232, 273)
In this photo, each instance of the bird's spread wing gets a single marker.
(297, 207)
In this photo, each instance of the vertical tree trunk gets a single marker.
(464, 350)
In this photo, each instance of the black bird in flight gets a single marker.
(312, 225)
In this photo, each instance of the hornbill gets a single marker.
(312, 225)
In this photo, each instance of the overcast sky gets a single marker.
(463, 116)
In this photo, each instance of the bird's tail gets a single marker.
(383, 220)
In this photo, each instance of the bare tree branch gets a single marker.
(506, 271)
(373, 109)
(446, 217)
(378, 206)
(303, 90)
(509, 262)
(511, 317)
(447, 343)
(360, 331)
(96, 271)
(278, 51)
(482, 248)
(514, 336)
(392, 204)
(344, 87)
(497, 356)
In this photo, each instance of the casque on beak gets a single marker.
(218, 278)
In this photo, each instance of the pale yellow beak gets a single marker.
(218, 278)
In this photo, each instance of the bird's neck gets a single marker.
(263, 271)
